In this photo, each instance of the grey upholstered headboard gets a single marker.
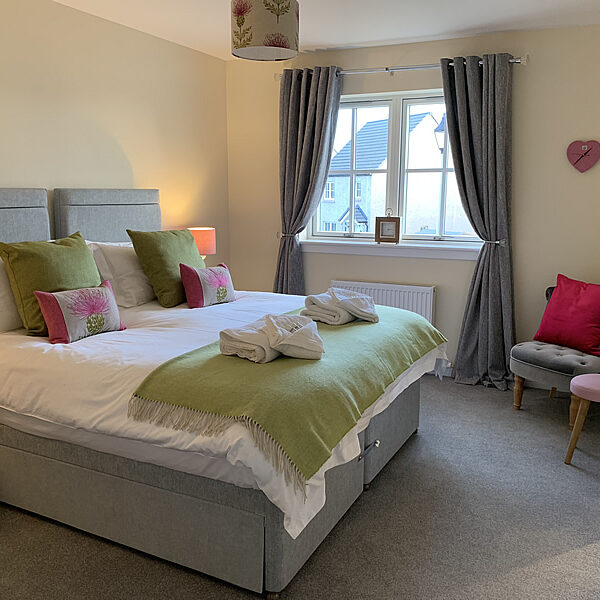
(24, 215)
(104, 215)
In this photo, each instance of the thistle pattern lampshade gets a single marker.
(264, 29)
(205, 238)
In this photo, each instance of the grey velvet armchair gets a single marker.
(550, 365)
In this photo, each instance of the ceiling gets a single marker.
(204, 24)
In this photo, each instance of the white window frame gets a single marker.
(349, 102)
(396, 176)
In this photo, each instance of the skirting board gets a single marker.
(446, 370)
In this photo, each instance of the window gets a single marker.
(329, 194)
(392, 153)
(358, 172)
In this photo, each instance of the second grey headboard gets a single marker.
(104, 215)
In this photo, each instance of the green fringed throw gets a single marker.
(296, 410)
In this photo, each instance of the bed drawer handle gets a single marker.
(368, 449)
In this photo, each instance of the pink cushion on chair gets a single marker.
(586, 386)
(572, 317)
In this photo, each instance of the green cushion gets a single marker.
(65, 264)
(160, 253)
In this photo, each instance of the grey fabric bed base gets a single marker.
(231, 533)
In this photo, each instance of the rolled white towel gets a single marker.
(359, 305)
(250, 341)
(265, 339)
(322, 307)
(294, 336)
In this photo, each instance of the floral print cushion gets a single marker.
(76, 314)
(204, 287)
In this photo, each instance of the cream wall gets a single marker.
(88, 103)
(556, 210)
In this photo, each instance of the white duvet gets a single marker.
(87, 385)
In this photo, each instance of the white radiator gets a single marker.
(418, 298)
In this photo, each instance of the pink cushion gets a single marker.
(75, 314)
(572, 317)
(586, 386)
(204, 287)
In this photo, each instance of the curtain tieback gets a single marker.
(288, 235)
(499, 242)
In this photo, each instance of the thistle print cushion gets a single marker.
(76, 314)
(204, 287)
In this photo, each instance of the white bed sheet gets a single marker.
(84, 389)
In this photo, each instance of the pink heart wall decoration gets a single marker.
(583, 155)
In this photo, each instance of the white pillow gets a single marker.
(9, 315)
(120, 265)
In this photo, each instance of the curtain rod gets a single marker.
(522, 60)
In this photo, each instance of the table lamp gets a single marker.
(205, 238)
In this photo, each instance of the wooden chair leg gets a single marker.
(552, 393)
(518, 392)
(581, 415)
(573, 410)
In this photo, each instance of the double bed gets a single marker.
(214, 504)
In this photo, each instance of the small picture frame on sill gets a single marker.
(387, 229)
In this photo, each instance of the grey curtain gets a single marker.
(478, 104)
(308, 110)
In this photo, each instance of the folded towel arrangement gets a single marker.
(337, 306)
(264, 340)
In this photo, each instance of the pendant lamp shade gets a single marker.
(264, 29)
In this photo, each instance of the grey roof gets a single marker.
(442, 125)
(359, 215)
(371, 144)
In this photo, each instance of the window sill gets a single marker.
(405, 249)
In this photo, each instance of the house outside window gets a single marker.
(358, 170)
(394, 153)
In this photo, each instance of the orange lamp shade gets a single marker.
(206, 239)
